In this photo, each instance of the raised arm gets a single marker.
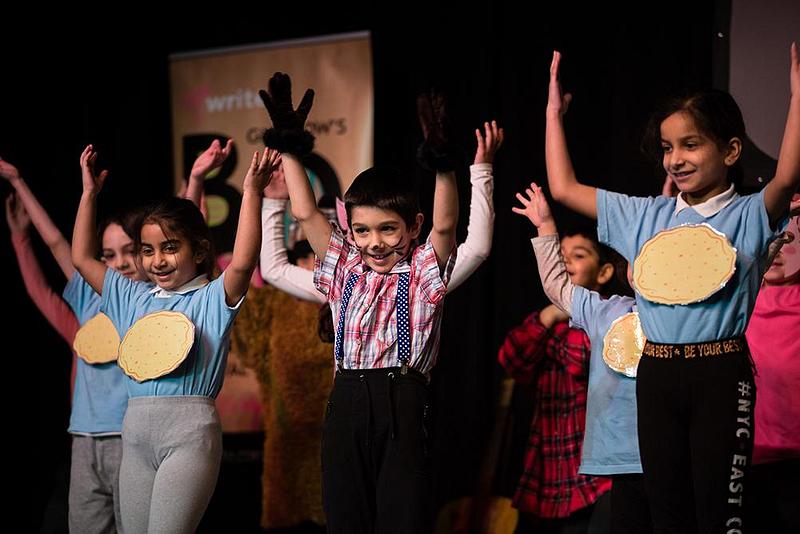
(248, 232)
(778, 192)
(439, 154)
(275, 266)
(304, 206)
(289, 137)
(210, 159)
(84, 234)
(478, 244)
(552, 270)
(50, 304)
(50, 234)
(445, 216)
(564, 186)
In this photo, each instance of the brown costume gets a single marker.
(276, 335)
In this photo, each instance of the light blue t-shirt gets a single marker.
(202, 372)
(99, 398)
(626, 223)
(610, 441)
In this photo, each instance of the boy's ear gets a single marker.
(605, 273)
(416, 228)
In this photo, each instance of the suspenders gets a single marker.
(403, 333)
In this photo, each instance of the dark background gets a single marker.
(104, 79)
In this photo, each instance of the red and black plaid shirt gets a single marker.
(556, 363)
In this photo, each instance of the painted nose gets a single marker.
(375, 243)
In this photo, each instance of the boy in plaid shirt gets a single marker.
(386, 294)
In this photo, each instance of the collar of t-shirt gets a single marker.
(191, 285)
(710, 207)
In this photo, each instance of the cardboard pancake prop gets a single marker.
(156, 345)
(97, 341)
(623, 344)
(684, 265)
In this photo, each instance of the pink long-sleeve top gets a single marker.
(50, 304)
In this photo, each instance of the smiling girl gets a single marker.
(171, 434)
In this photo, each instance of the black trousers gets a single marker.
(630, 510)
(375, 473)
(696, 426)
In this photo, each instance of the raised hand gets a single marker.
(551, 315)
(794, 205)
(668, 188)
(17, 217)
(288, 132)
(432, 114)
(260, 171)
(277, 184)
(489, 143)
(211, 158)
(92, 182)
(437, 152)
(8, 171)
(557, 103)
(536, 209)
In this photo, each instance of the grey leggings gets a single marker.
(171, 451)
(94, 485)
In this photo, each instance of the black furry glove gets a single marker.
(288, 134)
(437, 151)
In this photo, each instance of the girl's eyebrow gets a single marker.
(685, 138)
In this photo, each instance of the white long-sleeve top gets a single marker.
(296, 281)
(553, 272)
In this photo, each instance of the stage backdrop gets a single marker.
(214, 95)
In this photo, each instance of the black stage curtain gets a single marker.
(105, 81)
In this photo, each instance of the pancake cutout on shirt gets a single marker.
(623, 344)
(156, 345)
(684, 265)
(97, 341)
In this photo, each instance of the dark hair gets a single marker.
(715, 113)
(301, 250)
(617, 284)
(177, 217)
(325, 329)
(385, 188)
